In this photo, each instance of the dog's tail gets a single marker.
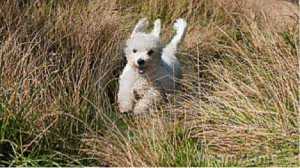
(173, 46)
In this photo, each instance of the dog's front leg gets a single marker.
(125, 94)
(125, 100)
(151, 97)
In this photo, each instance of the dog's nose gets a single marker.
(141, 62)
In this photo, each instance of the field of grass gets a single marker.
(59, 68)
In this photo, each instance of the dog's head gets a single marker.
(143, 50)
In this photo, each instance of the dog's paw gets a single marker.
(157, 22)
(125, 110)
(125, 107)
(139, 110)
(180, 24)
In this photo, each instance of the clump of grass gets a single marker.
(56, 60)
(252, 106)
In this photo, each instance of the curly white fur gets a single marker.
(151, 69)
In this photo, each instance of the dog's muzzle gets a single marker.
(141, 68)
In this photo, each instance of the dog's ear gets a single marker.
(157, 28)
(140, 26)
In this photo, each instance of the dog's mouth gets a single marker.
(141, 70)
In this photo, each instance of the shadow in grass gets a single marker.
(5, 153)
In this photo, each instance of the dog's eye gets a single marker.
(134, 50)
(150, 52)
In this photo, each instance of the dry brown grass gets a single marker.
(57, 59)
(254, 94)
(59, 64)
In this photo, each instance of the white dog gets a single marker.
(151, 69)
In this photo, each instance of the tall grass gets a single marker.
(56, 60)
(59, 64)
